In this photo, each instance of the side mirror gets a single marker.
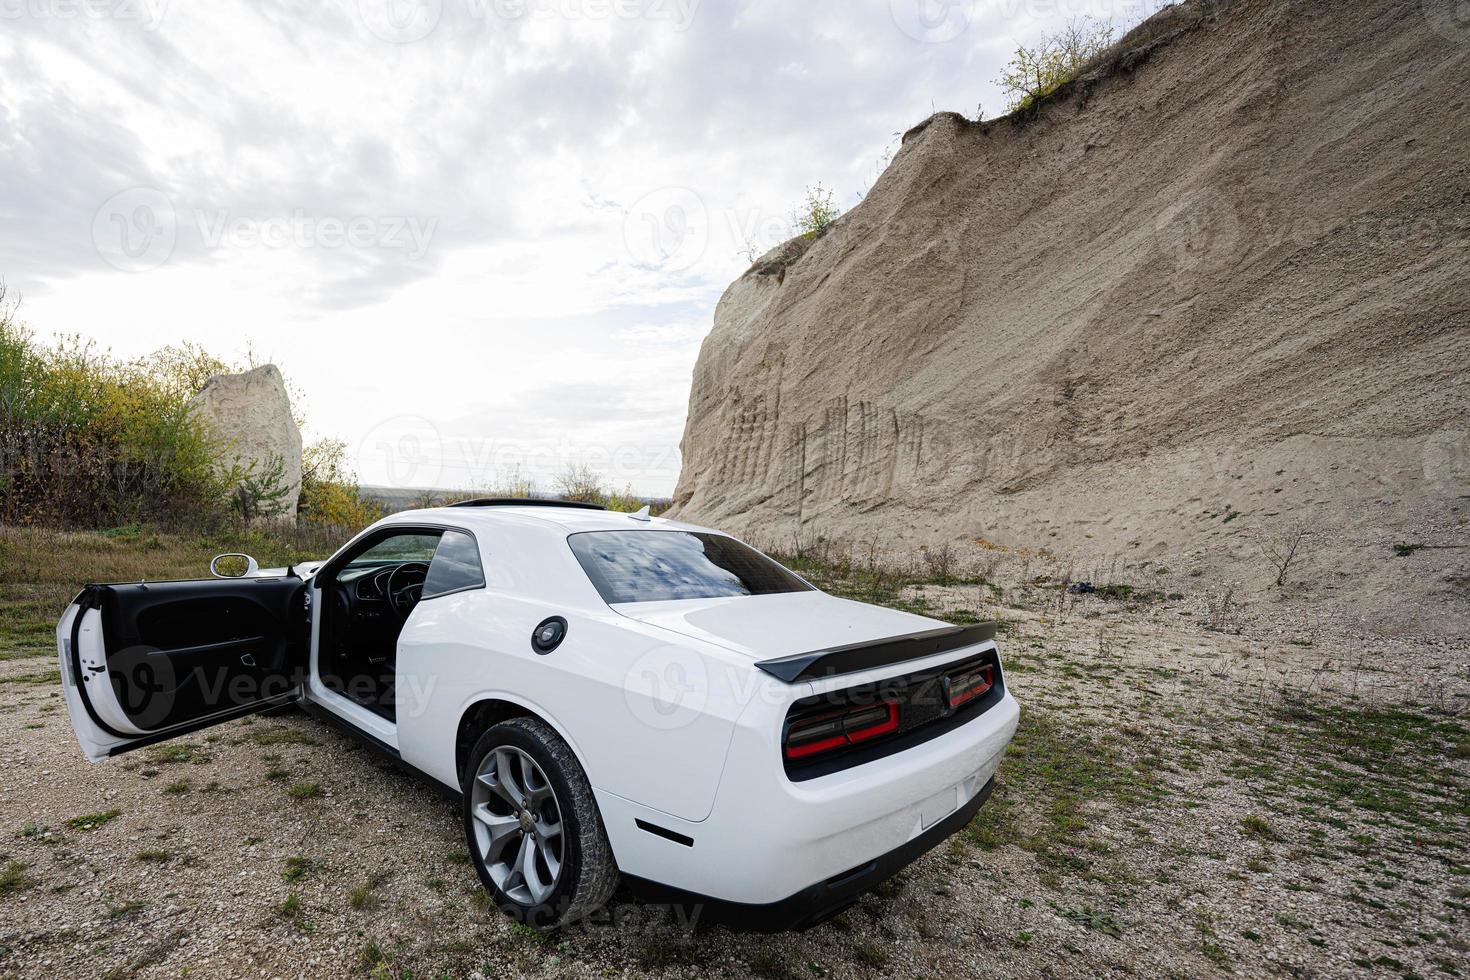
(232, 561)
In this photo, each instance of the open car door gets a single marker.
(144, 662)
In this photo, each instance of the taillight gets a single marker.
(839, 729)
(965, 687)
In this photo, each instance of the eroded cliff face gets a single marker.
(1226, 273)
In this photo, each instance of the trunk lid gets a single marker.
(762, 627)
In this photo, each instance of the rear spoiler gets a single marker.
(876, 653)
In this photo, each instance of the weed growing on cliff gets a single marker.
(816, 212)
(1282, 551)
(1035, 72)
(1221, 613)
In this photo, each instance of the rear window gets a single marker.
(644, 566)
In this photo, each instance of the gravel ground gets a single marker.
(1178, 802)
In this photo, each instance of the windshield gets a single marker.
(645, 566)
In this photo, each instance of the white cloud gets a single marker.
(515, 227)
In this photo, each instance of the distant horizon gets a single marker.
(379, 492)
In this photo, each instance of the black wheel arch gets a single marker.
(481, 715)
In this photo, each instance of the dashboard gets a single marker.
(370, 604)
(372, 583)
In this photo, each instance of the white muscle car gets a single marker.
(611, 694)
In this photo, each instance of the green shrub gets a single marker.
(91, 821)
(1034, 73)
(816, 212)
(89, 440)
(259, 491)
(330, 495)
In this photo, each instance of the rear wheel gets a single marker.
(532, 826)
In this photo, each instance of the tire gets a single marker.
(563, 877)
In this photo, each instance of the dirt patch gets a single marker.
(1178, 802)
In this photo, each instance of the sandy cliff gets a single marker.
(1216, 289)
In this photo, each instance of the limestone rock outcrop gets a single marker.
(250, 415)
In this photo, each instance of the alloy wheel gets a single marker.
(518, 825)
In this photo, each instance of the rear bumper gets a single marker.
(816, 903)
(770, 840)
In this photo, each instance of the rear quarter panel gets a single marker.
(650, 714)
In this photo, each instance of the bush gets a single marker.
(88, 440)
(329, 491)
(625, 500)
(1036, 72)
(582, 484)
(91, 441)
(586, 485)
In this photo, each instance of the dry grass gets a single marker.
(41, 569)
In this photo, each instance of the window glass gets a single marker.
(456, 565)
(643, 566)
(401, 547)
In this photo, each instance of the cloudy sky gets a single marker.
(482, 237)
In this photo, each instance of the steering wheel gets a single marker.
(403, 594)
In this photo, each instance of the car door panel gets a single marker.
(146, 661)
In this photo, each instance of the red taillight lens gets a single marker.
(963, 688)
(839, 729)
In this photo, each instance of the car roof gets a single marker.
(567, 520)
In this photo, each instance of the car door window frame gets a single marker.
(352, 549)
(479, 564)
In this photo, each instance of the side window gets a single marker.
(400, 547)
(456, 566)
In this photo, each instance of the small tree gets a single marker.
(261, 491)
(329, 490)
(1034, 73)
(816, 212)
(580, 483)
(1281, 552)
